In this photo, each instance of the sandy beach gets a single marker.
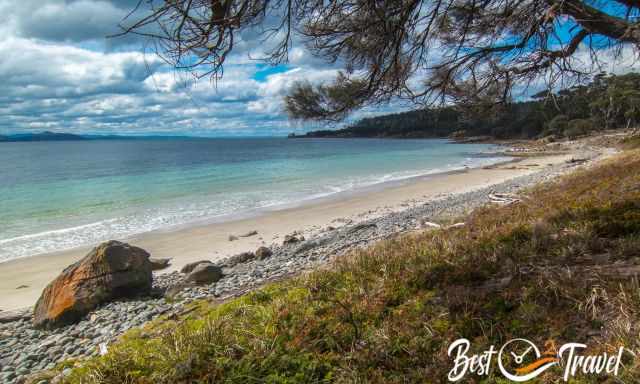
(212, 242)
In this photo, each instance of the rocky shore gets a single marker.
(25, 350)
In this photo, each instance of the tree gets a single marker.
(557, 125)
(570, 112)
(578, 127)
(466, 51)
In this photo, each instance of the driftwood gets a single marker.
(503, 198)
(428, 224)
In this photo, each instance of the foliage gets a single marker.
(578, 127)
(557, 125)
(607, 102)
(431, 51)
(631, 142)
(387, 314)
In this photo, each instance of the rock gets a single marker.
(233, 238)
(191, 266)
(205, 274)
(110, 271)
(263, 253)
(239, 258)
(158, 264)
(173, 291)
(307, 245)
(291, 239)
(360, 227)
(11, 316)
(249, 234)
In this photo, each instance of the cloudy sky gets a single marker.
(58, 72)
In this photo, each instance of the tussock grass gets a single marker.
(550, 267)
(631, 142)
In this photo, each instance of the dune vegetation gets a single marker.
(561, 265)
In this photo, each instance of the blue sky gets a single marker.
(58, 72)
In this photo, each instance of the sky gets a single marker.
(59, 72)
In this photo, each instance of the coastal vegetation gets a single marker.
(609, 101)
(558, 264)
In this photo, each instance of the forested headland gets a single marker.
(607, 102)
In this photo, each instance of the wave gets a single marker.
(184, 213)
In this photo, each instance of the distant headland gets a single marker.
(62, 136)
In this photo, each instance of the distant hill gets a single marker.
(42, 136)
(60, 136)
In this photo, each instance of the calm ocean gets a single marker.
(60, 195)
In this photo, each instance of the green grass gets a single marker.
(631, 142)
(388, 313)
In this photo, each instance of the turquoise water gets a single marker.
(61, 195)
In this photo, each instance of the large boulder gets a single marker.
(191, 266)
(205, 274)
(239, 259)
(110, 271)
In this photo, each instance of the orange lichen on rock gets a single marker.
(110, 271)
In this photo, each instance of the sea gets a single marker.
(56, 196)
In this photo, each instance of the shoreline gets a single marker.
(16, 250)
(309, 218)
(396, 211)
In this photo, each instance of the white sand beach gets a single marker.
(212, 242)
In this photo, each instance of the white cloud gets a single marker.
(59, 73)
(58, 20)
(274, 89)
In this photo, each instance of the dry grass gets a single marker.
(555, 266)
